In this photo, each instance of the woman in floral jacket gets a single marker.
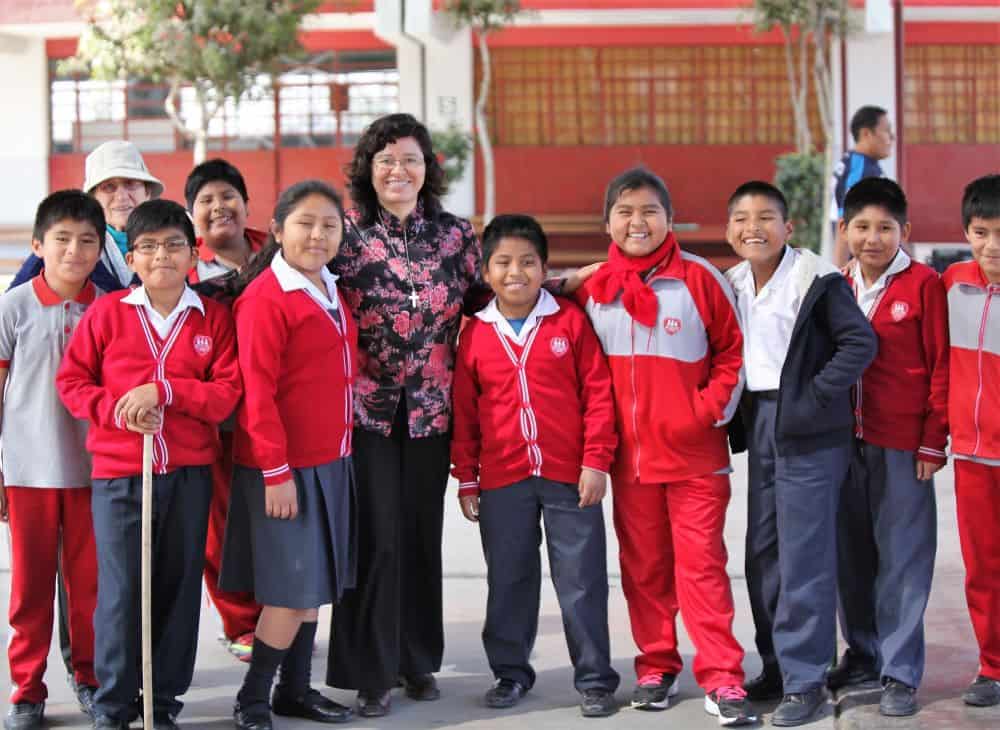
(407, 269)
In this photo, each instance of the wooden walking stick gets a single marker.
(147, 581)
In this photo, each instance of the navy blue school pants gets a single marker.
(180, 521)
(885, 550)
(791, 551)
(510, 525)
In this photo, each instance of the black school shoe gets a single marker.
(983, 692)
(598, 703)
(852, 670)
(421, 687)
(24, 716)
(766, 686)
(374, 703)
(164, 721)
(898, 700)
(504, 693)
(313, 706)
(252, 717)
(798, 708)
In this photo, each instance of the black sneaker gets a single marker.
(106, 722)
(766, 686)
(798, 708)
(654, 690)
(24, 716)
(983, 692)
(504, 693)
(164, 721)
(898, 700)
(598, 703)
(851, 671)
(731, 706)
(85, 698)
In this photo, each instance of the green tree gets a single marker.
(484, 17)
(218, 47)
(811, 28)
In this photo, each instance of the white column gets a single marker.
(871, 73)
(24, 127)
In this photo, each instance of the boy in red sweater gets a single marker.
(668, 324)
(887, 520)
(534, 435)
(974, 418)
(157, 359)
(46, 501)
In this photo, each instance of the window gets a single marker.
(324, 103)
(647, 95)
(952, 94)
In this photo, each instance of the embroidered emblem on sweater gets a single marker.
(899, 310)
(672, 325)
(202, 344)
(559, 346)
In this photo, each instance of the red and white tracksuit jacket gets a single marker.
(677, 384)
(901, 401)
(115, 348)
(974, 417)
(536, 403)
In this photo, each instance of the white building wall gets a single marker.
(24, 129)
(871, 78)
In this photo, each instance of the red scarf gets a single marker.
(623, 272)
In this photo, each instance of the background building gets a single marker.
(581, 90)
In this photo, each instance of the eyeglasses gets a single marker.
(172, 245)
(110, 187)
(387, 164)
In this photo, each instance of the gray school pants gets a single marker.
(509, 523)
(791, 551)
(180, 522)
(887, 538)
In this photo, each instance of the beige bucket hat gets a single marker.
(118, 158)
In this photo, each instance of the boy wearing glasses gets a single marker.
(159, 359)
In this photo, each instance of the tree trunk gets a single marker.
(483, 132)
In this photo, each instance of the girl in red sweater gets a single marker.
(289, 536)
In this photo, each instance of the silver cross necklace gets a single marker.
(413, 296)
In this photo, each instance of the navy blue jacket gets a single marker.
(832, 345)
(33, 265)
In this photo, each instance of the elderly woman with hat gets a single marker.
(116, 175)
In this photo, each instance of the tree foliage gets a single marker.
(218, 47)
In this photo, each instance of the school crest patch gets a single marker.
(672, 325)
(202, 344)
(559, 346)
(899, 310)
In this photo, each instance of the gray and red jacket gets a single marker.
(974, 390)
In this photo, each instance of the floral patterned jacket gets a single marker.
(402, 348)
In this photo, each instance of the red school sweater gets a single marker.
(677, 384)
(115, 349)
(974, 385)
(539, 408)
(901, 401)
(298, 363)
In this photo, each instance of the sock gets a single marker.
(264, 663)
(296, 667)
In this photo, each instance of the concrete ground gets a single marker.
(951, 661)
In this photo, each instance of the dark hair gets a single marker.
(155, 215)
(878, 191)
(514, 225)
(635, 179)
(74, 205)
(866, 118)
(764, 189)
(212, 171)
(287, 203)
(384, 131)
(981, 199)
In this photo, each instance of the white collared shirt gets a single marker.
(291, 280)
(139, 298)
(868, 297)
(545, 305)
(768, 318)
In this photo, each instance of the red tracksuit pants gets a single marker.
(238, 610)
(673, 557)
(40, 520)
(977, 500)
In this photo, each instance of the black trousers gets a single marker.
(509, 523)
(391, 624)
(180, 522)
